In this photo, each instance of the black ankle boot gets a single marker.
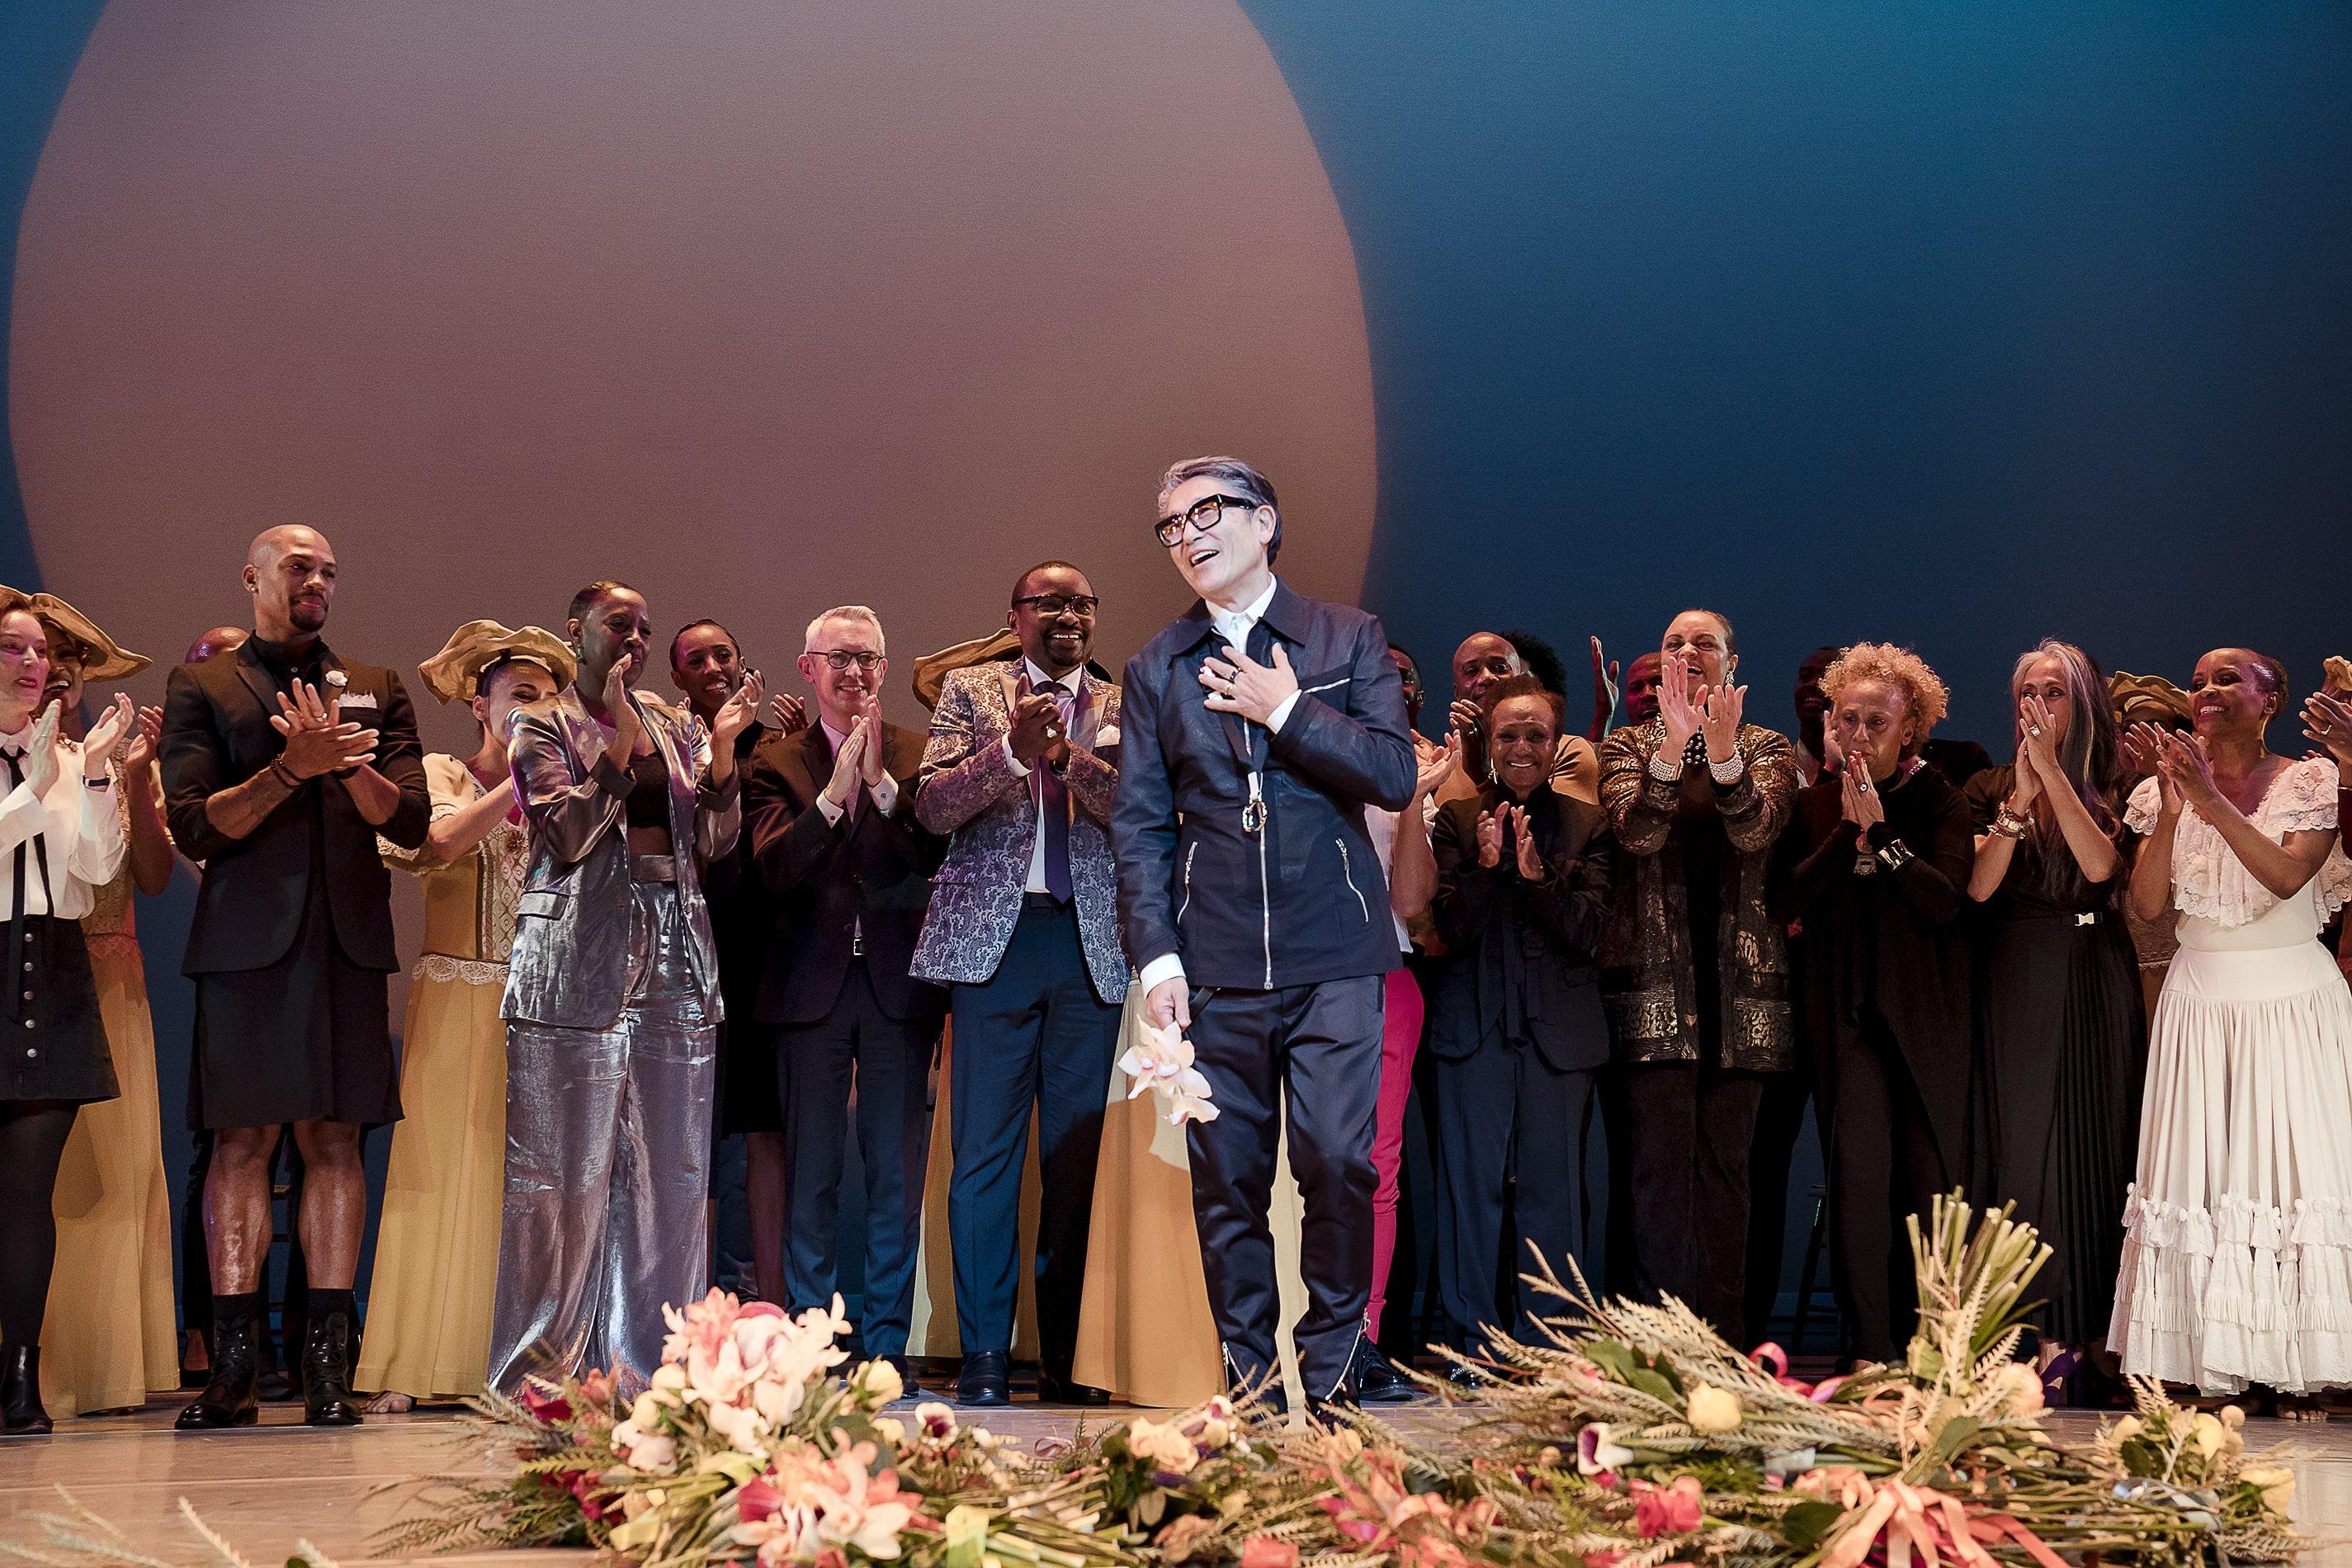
(20, 1390)
(228, 1397)
(327, 1372)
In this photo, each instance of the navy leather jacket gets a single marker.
(1289, 894)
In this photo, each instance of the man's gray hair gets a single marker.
(845, 613)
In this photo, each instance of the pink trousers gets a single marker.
(1400, 1040)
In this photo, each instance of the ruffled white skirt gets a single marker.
(2237, 1263)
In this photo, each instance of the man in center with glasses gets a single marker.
(1256, 730)
(831, 815)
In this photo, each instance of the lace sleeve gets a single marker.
(2304, 799)
(2139, 812)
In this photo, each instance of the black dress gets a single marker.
(1883, 998)
(2061, 1047)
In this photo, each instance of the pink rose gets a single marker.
(1670, 1510)
(1266, 1551)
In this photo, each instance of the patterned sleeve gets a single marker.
(2304, 801)
(2139, 812)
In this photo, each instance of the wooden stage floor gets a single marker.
(264, 1488)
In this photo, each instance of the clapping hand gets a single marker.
(788, 713)
(869, 758)
(1239, 684)
(41, 752)
(1605, 689)
(2143, 744)
(97, 745)
(2189, 772)
(315, 743)
(1862, 806)
(1490, 839)
(735, 714)
(1036, 725)
(2327, 724)
(1676, 709)
(1530, 859)
(146, 739)
(1720, 715)
(842, 787)
(1436, 763)
(621, 710)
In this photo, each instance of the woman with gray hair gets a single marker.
(2064, 1038)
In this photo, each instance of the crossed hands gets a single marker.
(1037, 730)
(1714, 712)
(1859, 801)
(1529, 862)
(315, 743)
(1239, 684)
(859, 761)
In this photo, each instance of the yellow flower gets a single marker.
(2275, 1482)
(879, 1382)
(2126, 1429)
(1713, 1409)
(2208, 1432)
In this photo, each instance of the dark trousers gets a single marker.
(1506, 1119)
(1778, 1120)
(1693, 1125)
(1309, 1054)
(1033, 1034)
(891, 1060)
(1883, 1166)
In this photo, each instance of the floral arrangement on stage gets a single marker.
(1634, 1436)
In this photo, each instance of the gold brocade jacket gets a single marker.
(469, 902)
(1647, 979)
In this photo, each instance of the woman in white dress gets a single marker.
(2237, 1264)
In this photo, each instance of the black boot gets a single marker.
(228, 1398)
(327, 1398)
(20, 1390)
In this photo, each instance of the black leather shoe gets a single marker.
(1055, 1389)
(1465, 1377)
(909, 1388)
(20, 1391)
(984, 1379)
(327, 1398)
(228, 1397)
(1377, 1379)
(1334, 1408)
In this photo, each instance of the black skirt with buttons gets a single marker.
(52, 1039)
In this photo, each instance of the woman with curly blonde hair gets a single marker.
(1876, 864)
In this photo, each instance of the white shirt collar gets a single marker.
(1250, 614)
(19, 740)
(1039, 679)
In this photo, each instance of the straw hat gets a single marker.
(455, 673)
(101, 657)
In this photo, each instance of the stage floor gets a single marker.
(263, 1487)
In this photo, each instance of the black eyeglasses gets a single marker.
(1201, 515)
(841, 658)
(1051, 606)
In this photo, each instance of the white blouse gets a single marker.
(2211, 883)
(82, 826)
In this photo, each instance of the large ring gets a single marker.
(1051, 730)
(2034, 729)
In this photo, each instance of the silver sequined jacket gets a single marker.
(1647, 978)
(969, 791)
(570, 967)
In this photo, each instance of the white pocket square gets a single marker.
(1107, 736)
(357, 699)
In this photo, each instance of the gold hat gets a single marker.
(2128, 691)
(101, 657)
(452, 674)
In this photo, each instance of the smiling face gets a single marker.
(1523, 743)
(842, 694)
(2045, 679)
(1641, 688)
(2231, 695)
(617, 630)
(1483, 659)
(24, 667)
(1056, 641)
(1874, 722)
(1225, 563)
(705, 667)
(1698, 644)
(290, 572)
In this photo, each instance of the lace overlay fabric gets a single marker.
(472, 971)
(2211, 883)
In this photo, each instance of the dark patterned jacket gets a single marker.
(1647, 978)
(969, 791)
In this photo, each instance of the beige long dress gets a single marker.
(110, 1331)
(437, 1251)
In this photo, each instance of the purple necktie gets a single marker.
(1053, 798)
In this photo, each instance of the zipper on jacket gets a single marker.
(1190, 850)
(1348, 871)
(1265, 888)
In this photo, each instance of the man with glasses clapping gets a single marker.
(831, 815)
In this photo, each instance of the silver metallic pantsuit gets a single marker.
(608, 1139)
